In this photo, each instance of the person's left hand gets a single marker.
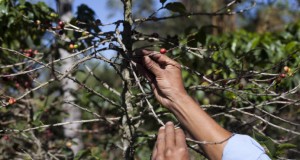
(170, 144)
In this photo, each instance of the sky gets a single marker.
(99, 6)
(102, 11)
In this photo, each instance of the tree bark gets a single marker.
(128, 127)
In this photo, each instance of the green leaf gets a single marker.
(286, 146)
(230, 95)
(270, 109)
(3, 10)
(259, 137)
(176, 7)
(11, 20)
(281, 148)
(291, 45)
(233, 45)
(271, 146)
(266, 141)
(96, 152)
(81, 154)
(37, 115)
(255, 42)
(43, 7)
(199, 36)
(22, 2)
(162, 1)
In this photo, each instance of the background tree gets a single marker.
(68, 86)
(248, 82)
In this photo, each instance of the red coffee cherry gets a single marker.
(61, 24)
(282, 75)
(163, 51)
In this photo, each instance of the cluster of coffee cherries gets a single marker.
(287, 71)
(59, 28)
(29, 52)
(73, 46)
(6, 137)
(11, 101)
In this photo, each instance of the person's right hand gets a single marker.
(170, 144)
(164, 75)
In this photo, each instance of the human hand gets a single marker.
(170, 144)
(164, 75)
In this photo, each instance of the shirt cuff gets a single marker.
(243, 147)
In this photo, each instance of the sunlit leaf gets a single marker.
(176, 7)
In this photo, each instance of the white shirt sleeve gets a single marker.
(243, 147)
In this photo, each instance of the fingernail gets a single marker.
(169, 123)
(146, 57)
(151, 54)
(162, 127)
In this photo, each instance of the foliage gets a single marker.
(248, 67)
(240, 78)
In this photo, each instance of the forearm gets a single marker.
(200, 125)
(164, 75)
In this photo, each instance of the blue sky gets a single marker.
(103, 12)
(99, 6)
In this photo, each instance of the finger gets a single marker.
(161, 141)
(151, 65)
(154, 152)
(156, 56)
(137, 57)
(144, 52)
(150, 77)
(180, 138)
(162, 59)
(170, 135)
(143, 71)
(139, 54)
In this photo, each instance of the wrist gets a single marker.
(180, 100)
